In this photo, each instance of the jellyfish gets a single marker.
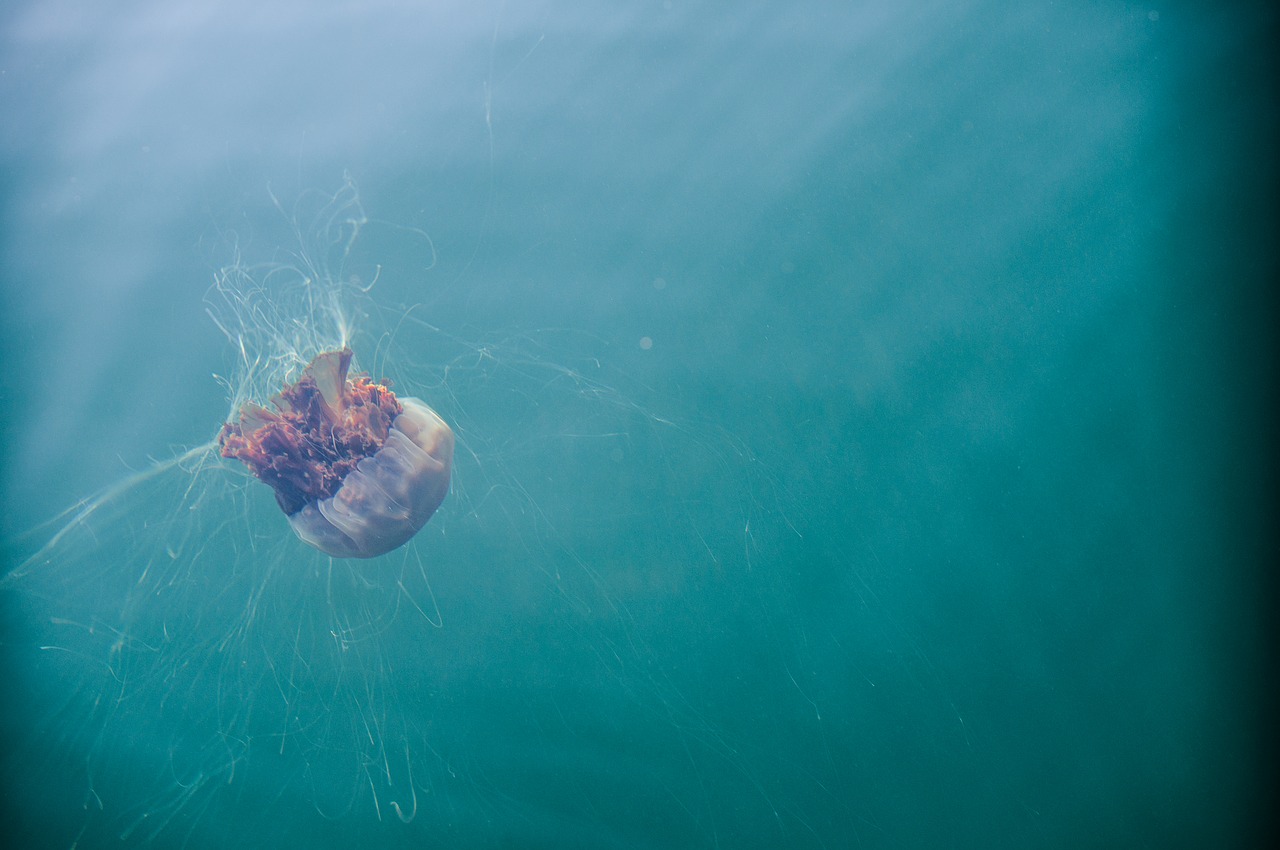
(356, 470)
(192, 675)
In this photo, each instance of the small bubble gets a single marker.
(1153, 15)
(646, 343)
(659, 283)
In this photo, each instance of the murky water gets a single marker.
(856, 412)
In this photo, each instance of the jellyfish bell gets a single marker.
(389, 496)
(357, 470)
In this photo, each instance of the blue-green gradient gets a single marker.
(947, 483)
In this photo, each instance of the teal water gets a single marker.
(861, 412)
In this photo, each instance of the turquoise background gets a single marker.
(932, 512)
